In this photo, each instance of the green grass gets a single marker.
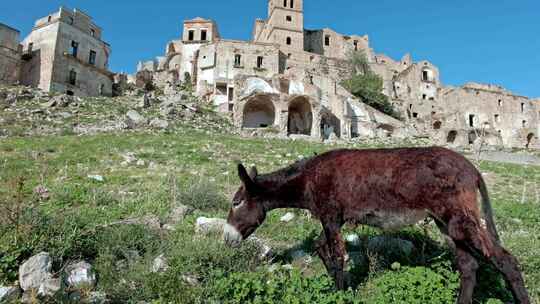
(198, 167)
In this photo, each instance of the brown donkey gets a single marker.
(388, 189)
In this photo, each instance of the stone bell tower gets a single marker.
(285, 24)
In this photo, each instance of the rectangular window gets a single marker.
(356, 45)
(74, 48)
(191, 35)
(221, 89)
(292, 3)
(327, 40)
(497, 118)
(284, 3)
(237, 60)
(522, 107)
(500, 102)
(471, 120)
(259, 62)
(72, 77)
(93, 32)
(289, 18)
(424, 97)
(231, 94)
(92, 58)
(203, 35)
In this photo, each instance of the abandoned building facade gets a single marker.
(63, 53)
(289, 79)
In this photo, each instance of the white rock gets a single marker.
(49, 287)
(80, 275)
(160, 264)
(35, 271)
(353, 239)
(265, 251)
(190, 279)
(98, 178)
(136, 118)
(206, 225)
(9, 294)
(159, 123)
(289, 216)
(96, 297)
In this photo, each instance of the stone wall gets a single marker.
(10, 55)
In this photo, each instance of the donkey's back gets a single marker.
(390, 188)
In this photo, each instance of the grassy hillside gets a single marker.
(75, 215)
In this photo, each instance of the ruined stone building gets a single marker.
(64, 53)
(288, 78)
(10, 55)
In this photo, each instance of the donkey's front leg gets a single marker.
(332, 251)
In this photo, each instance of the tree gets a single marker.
(366, 85)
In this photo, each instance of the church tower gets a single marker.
(285, 24)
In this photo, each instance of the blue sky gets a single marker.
(489, 41)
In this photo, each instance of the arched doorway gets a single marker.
(300, 117)
(530, 139)
(451, 138)
(330, 124)
(259, 112)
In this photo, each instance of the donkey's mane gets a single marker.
(288, 172)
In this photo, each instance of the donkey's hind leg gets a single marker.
(331, 250)
(468, 234)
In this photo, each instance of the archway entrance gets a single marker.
(330, 124)
(530, 139)
(259, 112)
(300, 117)
(451, 138)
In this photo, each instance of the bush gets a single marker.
(369, 87)
(203, 195)
(415, 285)
(279, 287)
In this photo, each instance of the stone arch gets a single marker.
(259, 112)
(300, 118)
(451, 138)
(437, 125)
(530, 140)
(330, 123)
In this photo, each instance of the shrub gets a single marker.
(203, 195)
(415, 285)
(279, 287)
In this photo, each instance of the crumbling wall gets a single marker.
(10, 55)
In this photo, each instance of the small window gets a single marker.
(471, 120)
(203, 35)
(327, 40)
(259, 62)
(289, 41)
(284, 3)
(524, 123)
(415, 115)
(69, 93)
(231, 94)
(74, 48)
(93, 32)
(30, 47)
(424, 96)
(191, 35)
(289, 18)
(92, 58)
(72, 77)
(49, 19)
(237, 60)
(356, 45)
(522, 107)
(497, 118)
(427, 75)
(292, 3)
(500, 103)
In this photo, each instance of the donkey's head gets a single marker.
(247, 212)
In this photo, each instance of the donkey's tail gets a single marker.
(486, 208)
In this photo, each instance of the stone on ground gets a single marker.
(289, 216)
(80, 275)
(35, 271)
(206, 225)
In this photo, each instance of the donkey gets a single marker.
(385, 188)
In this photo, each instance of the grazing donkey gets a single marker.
(388, 189)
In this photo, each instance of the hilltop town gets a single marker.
(287, 79)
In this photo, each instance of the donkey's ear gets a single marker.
(246, 178)
(253, 173)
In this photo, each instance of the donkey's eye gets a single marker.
(238, 203)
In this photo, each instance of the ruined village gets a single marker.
(114, 187)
